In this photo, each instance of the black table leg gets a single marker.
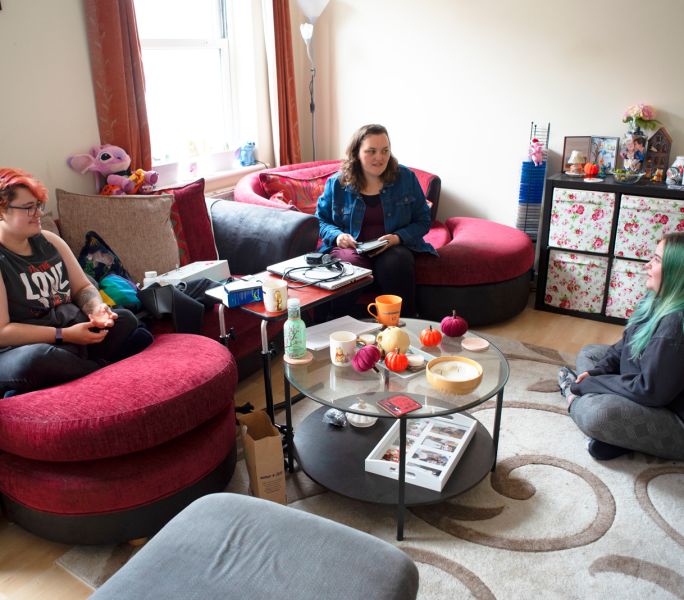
(402, 478)
(288, 424)
(266, 366)
(497, 424)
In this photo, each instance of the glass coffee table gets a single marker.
(335, 457)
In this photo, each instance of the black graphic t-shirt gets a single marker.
(38, 289)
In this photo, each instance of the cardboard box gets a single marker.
(211, 269)
(264, 456)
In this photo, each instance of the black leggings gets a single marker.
(394, 272)
(37, 366)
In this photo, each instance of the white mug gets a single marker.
(342, 348)
(275, 295)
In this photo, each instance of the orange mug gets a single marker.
(388, 309)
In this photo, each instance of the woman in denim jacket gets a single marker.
(373, 197)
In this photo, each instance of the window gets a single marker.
(187, 79)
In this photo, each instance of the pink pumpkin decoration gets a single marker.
(454, 326)
(366, 358)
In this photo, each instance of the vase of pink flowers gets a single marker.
(633, 144)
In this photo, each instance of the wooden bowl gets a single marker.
(454, 374)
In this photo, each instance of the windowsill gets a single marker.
(215, 180)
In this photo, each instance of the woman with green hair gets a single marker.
(630, 396)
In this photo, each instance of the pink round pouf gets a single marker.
(483, 273)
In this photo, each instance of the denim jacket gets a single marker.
(407, 214)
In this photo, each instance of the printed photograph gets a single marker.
(430, 470)
(448, 430)
(409, 442)
(415, 427)
(439, 443)
(430, 457)
(604, 153)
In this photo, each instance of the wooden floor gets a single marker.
(27, 569)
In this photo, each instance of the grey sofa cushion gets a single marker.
(233, 547)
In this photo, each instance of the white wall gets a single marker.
(457, 82)
(47, 105)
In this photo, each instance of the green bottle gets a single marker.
(294, 331)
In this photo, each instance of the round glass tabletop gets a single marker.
(345, 389)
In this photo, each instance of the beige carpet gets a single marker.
(549, 523)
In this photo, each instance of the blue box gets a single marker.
(242, 292)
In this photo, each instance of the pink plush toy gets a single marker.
(536, 152)
(111, 166)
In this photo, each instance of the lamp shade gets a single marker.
(312, 9)
(577, 157)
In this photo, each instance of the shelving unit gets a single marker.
(594, 241)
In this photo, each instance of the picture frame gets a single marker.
(571, 143)
(434, 445)
(604, 153)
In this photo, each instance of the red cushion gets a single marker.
(121, 483)
(438, 235)
(191, 223)
(174, 385)
(480, 252)
(300, 188)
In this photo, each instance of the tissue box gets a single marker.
(210, 269)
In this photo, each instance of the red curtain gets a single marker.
(290, 148)
(118, 78)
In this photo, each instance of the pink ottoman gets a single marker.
(114, 455)
(483, 273)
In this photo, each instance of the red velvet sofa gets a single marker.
(113, 456)
(483, 270)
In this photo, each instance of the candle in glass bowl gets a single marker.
(458, 371)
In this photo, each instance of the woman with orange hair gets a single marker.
(54, 326)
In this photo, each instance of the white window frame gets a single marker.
(210, 166)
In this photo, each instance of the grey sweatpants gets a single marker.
(616, 420)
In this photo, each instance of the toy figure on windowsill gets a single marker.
(111, 166)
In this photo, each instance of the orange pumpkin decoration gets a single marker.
(430, 337)
(591, 169)
(396, 361)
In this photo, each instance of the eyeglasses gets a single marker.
(31, 211)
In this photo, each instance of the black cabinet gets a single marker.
(595, 239)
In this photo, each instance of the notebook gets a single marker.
(320, 276)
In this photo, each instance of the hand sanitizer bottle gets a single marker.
(294, 331)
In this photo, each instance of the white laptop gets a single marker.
(327, 278)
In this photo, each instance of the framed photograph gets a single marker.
(578, 143)
(434, 445)
(604, 153)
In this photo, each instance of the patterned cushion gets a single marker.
(300, 189)
(191, 223)
(137, 228)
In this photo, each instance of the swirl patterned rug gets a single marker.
(549, 523)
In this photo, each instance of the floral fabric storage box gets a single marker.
(576, 281)
(581, 220)
(627, 286)
(643, 221)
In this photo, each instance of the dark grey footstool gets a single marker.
(228, 546)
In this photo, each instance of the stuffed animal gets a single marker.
(536, 152)
(111, 166)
